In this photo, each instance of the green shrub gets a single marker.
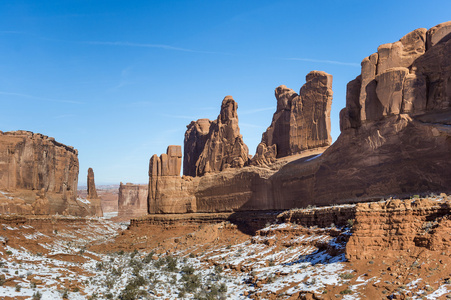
(188, 270)
(37, 295)
(148, 258)
(171, 264)
(346, 292)
(346, 276)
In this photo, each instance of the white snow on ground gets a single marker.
(264, 268)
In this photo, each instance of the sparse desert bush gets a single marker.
(171, 264)
(99, 266)
(346, 292)
(188, 270)
(350, 223)
(134, 253)
(37, 295)
(18, 287)
(191, 282)
(346, 276)
(148, 258)
(65, 294)
(218, 269)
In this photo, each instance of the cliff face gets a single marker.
(132, 200)
(300, 122)
(396, 137)
(33, 162)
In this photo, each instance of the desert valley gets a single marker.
(365, 217)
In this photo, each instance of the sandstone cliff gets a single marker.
(132, 200)
(300, 122)
(396, 138)
(32, 162)
(167, 191)
(217, 145)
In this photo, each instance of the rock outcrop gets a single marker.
(167, 191)
(395, 136)
(396, 226)
(196, 136)
(410, 76)
(217, 145)
(93, 198)
(395, 140)
(132, 200)
(300, 122)
(31, 162)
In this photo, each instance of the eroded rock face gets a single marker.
(96, 202)
(132, 200)
(213, 146)
(410, 76)
(32, 162)
(167, 192)
(196, 137)
(408, 226)
(300, 122)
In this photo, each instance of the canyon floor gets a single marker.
(60, 257)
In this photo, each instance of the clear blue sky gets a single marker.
(120, 80)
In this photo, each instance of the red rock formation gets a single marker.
(132, 200)
(301, 121)
(395, 140)
(384, 228)
(96, 202)
(196, 137)
(31, 162)
(167, 191)
(221, 148)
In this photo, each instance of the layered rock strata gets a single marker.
(132, 200)
(31, 162)
(301, 121)
(213, 146)
(93, 198)
(397, 226)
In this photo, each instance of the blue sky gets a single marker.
(120, 80)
